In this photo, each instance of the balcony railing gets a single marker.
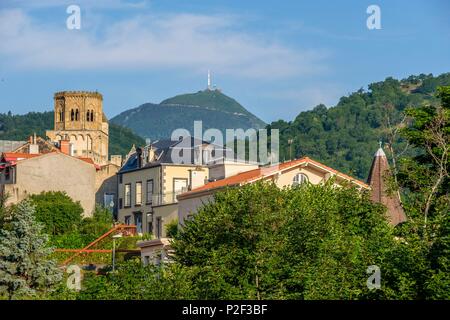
(166, 198)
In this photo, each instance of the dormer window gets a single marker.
(299, 179)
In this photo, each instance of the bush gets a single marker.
(57, 211)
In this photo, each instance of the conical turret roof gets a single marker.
(378, 173)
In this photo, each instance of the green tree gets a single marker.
(24, 266)
(307, 242)
(57, 212)
(172, 228)
(424, 181)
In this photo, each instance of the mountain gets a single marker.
(346, 136)
(212, 107)
(20, 127)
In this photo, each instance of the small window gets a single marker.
(149, 191)
(120, 203)
(299, 178)
(138, 193)
(127, 220)
(120, 179)
(158, 227)
(127, 195)
(72, 115)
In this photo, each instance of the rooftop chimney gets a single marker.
(64, 146)
(139, 157)
(33, 147)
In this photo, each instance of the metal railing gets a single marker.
(166, 198)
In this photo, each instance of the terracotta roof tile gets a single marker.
(256, 174)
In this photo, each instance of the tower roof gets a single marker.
(379, 172)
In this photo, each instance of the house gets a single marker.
(24, 174)
(284, 174)
(153, 176)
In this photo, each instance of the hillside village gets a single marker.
(147, 189)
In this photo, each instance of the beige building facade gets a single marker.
(150, 181)
(55, 171)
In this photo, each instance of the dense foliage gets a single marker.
(260, 242)
(25, 267)
(424, 182)
(57, 212)
(20, 127)
(346, 136)
(85, 230)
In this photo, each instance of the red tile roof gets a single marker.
(256, 174)
(14, 157)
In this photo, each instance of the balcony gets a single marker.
(166, 198)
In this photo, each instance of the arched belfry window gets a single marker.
(72, 115)
(92, 115)
(299, 178)
(88, 116)
(77, 115)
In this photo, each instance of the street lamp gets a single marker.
(116, 236)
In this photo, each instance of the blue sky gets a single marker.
(277, 58)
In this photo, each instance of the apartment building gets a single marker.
(152, 178)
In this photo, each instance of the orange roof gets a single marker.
(12, 156)
(257, 174)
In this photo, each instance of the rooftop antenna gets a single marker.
(209, 80)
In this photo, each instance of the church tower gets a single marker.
(79, 119)
(378, 173)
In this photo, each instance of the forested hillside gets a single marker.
(20, 127)
(346, 136)
(212, 107)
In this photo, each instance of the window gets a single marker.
(299, 179)
(138, 193)
(77, 115)
(72, 115)
(180, 185)
(120, 179)
(149, 223)
(120, 203)
(127, 220)
(138, 221)
(108, 201)
(127, 195)
(149, 191)
(88, 116)
(158, 227)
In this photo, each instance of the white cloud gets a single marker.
(146, 42)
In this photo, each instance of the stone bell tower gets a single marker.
(79, 119)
